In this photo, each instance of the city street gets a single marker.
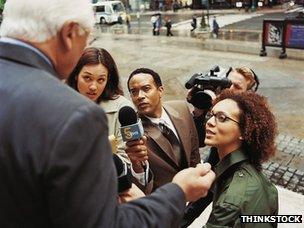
(176, 59)
(282, 81)
(228, 19)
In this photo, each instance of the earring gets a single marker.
(241, 138)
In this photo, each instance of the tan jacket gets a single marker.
(111, 108)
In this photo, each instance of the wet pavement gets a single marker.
(287, 167)
(177, 58)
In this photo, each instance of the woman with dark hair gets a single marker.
(243, 129)
(96, 77)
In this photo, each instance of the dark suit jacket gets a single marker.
(162, 161)
(56, 168)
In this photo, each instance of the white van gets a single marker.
(109, 12)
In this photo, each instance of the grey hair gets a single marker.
(40, 20)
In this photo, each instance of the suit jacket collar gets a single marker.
(156, 137)
(154, 133)
(179, 125)
(25, 56)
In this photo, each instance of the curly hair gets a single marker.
(92, 56)
(257, 125)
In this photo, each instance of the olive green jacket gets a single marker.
(240, 189)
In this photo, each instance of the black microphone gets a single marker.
(124, 176)
(131, 127)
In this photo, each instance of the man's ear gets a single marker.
(161, 90)
(67, 35)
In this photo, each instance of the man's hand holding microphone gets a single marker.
(138, 154)
(195, 182)
(133, 134)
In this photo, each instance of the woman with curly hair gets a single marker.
(243, 129)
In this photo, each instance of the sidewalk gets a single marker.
(277, 8)
(247, 41)
(287, 169)
(204, 41)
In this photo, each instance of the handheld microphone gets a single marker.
(131, 127)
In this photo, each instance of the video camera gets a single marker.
(215, 80)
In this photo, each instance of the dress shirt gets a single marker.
(165, 119)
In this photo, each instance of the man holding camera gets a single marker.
(171, 142)
(238, 79)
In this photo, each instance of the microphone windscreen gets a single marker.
(127, 116)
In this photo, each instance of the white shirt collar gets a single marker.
(165, 119)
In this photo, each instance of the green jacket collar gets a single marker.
(229, 160)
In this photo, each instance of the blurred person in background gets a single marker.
(168, 25)
(193, 23)
(215, 27)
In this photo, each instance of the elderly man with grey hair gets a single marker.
(56, 168)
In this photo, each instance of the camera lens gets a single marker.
(201, 100)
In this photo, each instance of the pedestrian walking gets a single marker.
(128, 22)
(153, 21)
(138, 20)
(193, 23)
(158, 24)
(215, 27)
(175, 6)
(168, 25)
